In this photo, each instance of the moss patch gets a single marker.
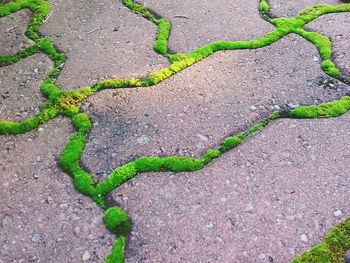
(332, 248)
(117, 253)
(66, 103)
(117, 221)
(326, 110)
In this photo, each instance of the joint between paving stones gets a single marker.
(65, 103)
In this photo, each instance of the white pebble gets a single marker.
(304, 238)
(337, 213)
(86, 256)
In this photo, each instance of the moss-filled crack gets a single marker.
(66, 103)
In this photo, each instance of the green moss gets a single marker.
(82, 123)
(332, 248)
(256, 128)
(264, 6)
(83, 182)
(66, 103)
(319, 254)
(172, 164)
(330, 69)
(50, 90)
(40, 9)
(164, 26)
(140, 10)
(275, 115)
(323, 43)
(116, 84)
(210, 155)
(70, 157)
(46, 114)
(117, 221)
(161, 44)
(116, 178)
(117, 253)
(7, 60)
(312, 13)
(229, 143)
(326, 110)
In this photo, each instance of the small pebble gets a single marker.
(143, 140)
(304, 238)
(210, 225)
(86, 256)
(223, 199)
(337, 213)
(293, 106)
(249, 208)
(253, 107)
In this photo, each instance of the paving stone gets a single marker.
(197, 108)
(281, 187)
(101, 40)
(196, 23)
(43, 218)
(282, 8)
(12, 32)
(273, 197)
(337, 27)
(20, 96)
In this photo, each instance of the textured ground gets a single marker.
(190, 21)
(42, 218)
(103, 40)
(268, 200)
(196, 109)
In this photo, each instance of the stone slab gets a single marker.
(196, 109)
(268, 200)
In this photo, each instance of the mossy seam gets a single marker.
(65, 102)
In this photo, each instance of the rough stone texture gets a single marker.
(102, 39)
(284, 8)
(12, 32)
(20, 96)
(43, 218)
(337, 27)
(196, 23)
(268, 200)
(194, 110)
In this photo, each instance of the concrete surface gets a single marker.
(42, 218)
(273, 197)
(337, 27)
(196, 23)
(281, 8)
(102, 39)
(197, 108)
(12, 32)
(20, 96)
(266, 201)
